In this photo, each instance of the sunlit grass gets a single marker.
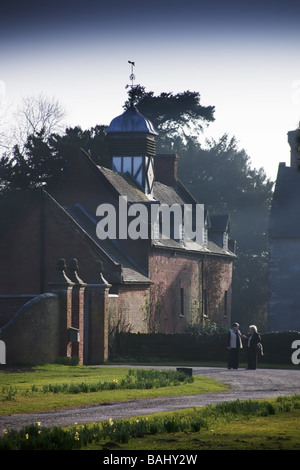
(18, 388)
(225, 431)
(227, 426)
(238, 425)
(280, 432)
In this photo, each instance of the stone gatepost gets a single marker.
(77, 323)
(98, 317)
(62, 286)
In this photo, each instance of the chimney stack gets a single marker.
(165, 166)
(294, 141)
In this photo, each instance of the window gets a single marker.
(182, 302)
(225, 303)
(205, 313)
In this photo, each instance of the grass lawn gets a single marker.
(21, 390)
(274, 432)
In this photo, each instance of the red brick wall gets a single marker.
(36, 336)
(132, 309)
(172, 272)
(178, 280)
(218, 284)
(77, 321)
(29, 260)
(9, 306)
(20, 256)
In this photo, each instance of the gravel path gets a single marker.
(245, 384)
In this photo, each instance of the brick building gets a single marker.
(156, 284)
(284, 244)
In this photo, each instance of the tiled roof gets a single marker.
(167, 194)
(190, 246)
(124, 185)
(131, 272)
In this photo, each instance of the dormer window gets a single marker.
(219, 230)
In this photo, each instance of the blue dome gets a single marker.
(131, 121)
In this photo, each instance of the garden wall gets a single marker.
(188, 347)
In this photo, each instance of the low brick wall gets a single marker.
(33, 334)
(9, 306)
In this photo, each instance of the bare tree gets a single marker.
(38, 114)
(5, 141)
(35, 115)
(5, 133)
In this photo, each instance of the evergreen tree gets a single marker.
(43, 159)
(174, 116)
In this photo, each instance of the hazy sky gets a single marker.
(242, 57)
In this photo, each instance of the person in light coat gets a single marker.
(234, 345)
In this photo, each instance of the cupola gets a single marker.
(132, 146)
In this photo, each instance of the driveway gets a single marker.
(244, 385)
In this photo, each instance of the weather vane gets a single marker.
(132, 78)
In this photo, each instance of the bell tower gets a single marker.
(132, 146)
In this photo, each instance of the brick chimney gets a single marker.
(294, 141)
(165, 167)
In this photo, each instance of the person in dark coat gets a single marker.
(253, 340)
(234, 344)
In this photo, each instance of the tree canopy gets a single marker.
(174, 116)
(44, 158)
